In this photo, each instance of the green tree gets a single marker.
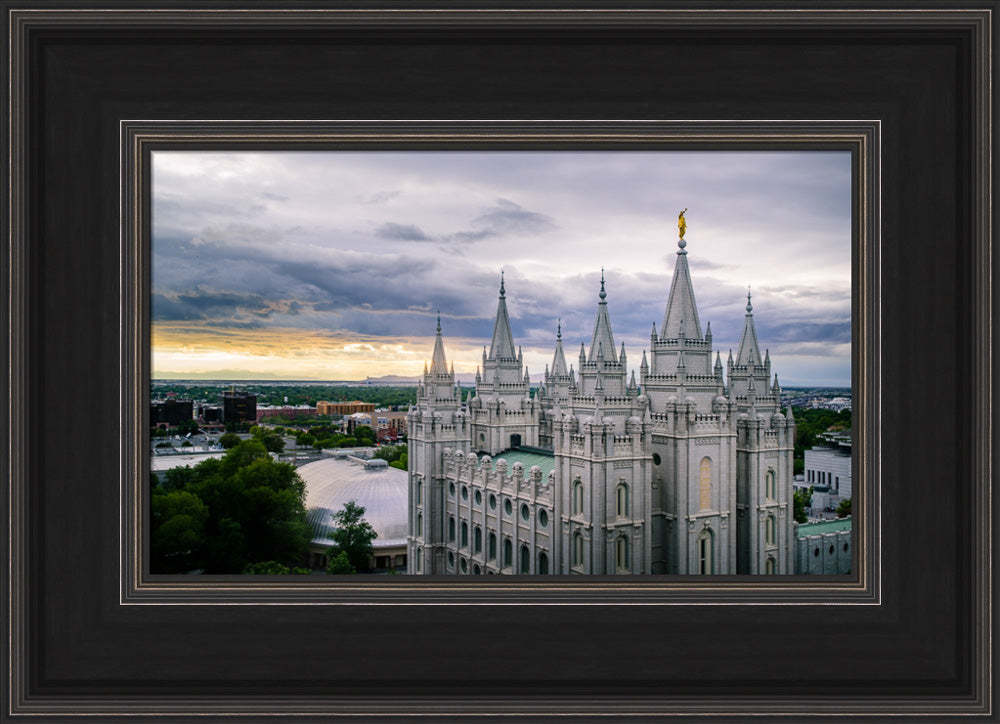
(340, 564)
(229, 440)
(178, 519)
(273, 443)
(353, 535)
(844, 508)
(187, 427)
(273, 568)
(364, 434)
(400, 463)
(304, 439)
(801, 499)
(255, 512)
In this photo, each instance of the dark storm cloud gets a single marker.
(401, 232)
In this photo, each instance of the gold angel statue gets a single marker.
(681, 223)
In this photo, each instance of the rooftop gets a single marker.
(827, 526)
(546, 461)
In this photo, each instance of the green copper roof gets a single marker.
(827, 526)
(546, 462)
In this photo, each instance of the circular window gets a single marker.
(451, 558)
(465, 493)
(507, 507)
(482, 437)
(543, 518)
(656, 458)
(479, 498)
(451, 489)
(525, 512)
(493, 502)
(465, 566)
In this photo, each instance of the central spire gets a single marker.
(559, 359)
(502, 345)
(749, 351)
(439, 365)
(602, 340)
(682, 310)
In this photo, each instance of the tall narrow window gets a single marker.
(622, 562)
(508, 553)
(621, 500)
(769, 486)
(705, 562)
(451, 529)
(465, 534)
(577, 497)
(477, 540)
(705, 484)
(769, 566)
(491, 549)
(577, 549)
(525, 560)
(543, 564)
(420, 493)
(769, 530)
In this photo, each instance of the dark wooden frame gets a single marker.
(914, 637)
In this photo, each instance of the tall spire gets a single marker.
(748, 352)
(503, 339)
(603, 339)
(439, 365)
(559, 360)
(681, 306)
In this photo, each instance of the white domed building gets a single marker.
(378, 488)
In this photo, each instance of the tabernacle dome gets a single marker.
(378, 488)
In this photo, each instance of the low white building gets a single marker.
(828, 465)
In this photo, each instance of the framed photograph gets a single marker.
(473, 165)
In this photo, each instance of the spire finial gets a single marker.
(559, 329)
(749, 305)
(603, 295)
(502, 292)
(439, 322)
(682, 227)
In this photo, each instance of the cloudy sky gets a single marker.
(332, 266)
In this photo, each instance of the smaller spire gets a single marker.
(502, 291)
(776, 387)
(631, 382)
(602, 294)
(749, 305)
(583, 353)
(730, 361)
(718, 361)
(790, 416)
(621, 357)
(644, 365)
(600, 350)
(708, 330)
(767, 356)
(653, 333)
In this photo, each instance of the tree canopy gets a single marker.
(353, 537)
(222, 515)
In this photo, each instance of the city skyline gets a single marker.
(333, 265)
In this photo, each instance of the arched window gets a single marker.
(492, 547)
(769, 486)
(577, 549)
(770, 566)
(622, 562)
(705, 484)
(477, 540)
(508, 553)
(577, 497)
(769, 530)
(621, 500)
(451, 529)
(525, 560)
(543, 564)
(706, 564)
(465, 534)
